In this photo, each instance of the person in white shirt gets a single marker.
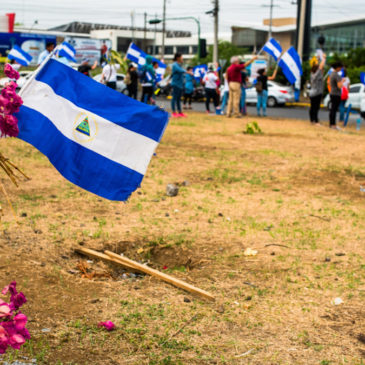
(46, 52)
(210, 82)
(109, 75)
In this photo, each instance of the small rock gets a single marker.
(185, 183)
(23, 214)
(187, 300)
(155, 200)
(327, 259)
(272, 253)
(45, 330)
(176, 211)
(37, 231)
(220, 309)
(93, 301)
(139, 192)
(220, 214)
(172, 190)
(248, 297)
(90, 261)
(65, 257)
(73, 272)
(43, 264)
(209, 178)
(361, 337)
(53, 196)
(167, 215)
(337, 301)
(340, 254)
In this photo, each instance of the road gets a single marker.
(291, 112)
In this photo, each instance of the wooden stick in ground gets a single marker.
(98, 255)
(169, 279)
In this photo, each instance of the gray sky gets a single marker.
(233, 12)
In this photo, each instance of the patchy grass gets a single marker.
(292, 193)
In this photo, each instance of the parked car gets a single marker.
(121, 86)
(356, 98)
(24, 76)
(277, 94)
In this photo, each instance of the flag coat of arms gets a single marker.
(97, 138)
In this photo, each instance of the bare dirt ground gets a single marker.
(292, 193)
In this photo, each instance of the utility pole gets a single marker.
(271, 10)
(163, 29)
(304, 31)
(132, 22)
(145, 31)
(302, 6)
(215, 46)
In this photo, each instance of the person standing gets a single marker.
(344, 94)
(188, 87)
(225, 94)
(336, 84)
(234, 83)
(85, 67)
(147, 80)
(43, 55)
(109, 75)
(243, 92)
(262, 90)
(131, 80)
(177, 83)
(316, 90)
(210, 82)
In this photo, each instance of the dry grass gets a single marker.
(292, 193)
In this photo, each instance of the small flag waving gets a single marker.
(291, 65)
(136, 55)
(66, 50)
(200, 71)
(97, 138)
(20, 56)
(273, 48)
(362, 77)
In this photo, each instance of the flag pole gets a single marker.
(36, 72)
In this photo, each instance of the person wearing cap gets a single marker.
(234, 78)
(85, 67)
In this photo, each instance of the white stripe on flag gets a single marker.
(67, 50)
(112, 141)
(288, 59)
(273, 49)
(133, 52)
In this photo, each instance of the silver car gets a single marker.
(121, 86)
(277, 94)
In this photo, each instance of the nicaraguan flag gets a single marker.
(136, 55)
(200, 71)
(99, 139)
(291, 65)
(273, 48)
(20, 56)
(66, 50)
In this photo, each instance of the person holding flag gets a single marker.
(336, 83)
(147, 77)
(262, 90)
(49, 48)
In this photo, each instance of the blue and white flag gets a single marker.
(20, 56)
(362, 77)
(136, 55)
(273, 48)
(66, 50)
(97, 138)
(200, 71)
(291, 65)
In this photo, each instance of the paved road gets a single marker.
(277, 112)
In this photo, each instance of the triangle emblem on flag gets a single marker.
(84, 127)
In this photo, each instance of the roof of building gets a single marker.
(84, 27)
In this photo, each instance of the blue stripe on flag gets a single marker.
(362, 77)
(104, 101)
(79, 165)
(290, 63)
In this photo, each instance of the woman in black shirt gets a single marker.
(261, 88)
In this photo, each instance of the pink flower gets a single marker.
(109, 325)
(8, 92)
(15, 341)
(17, 300)
(11, 85)
(4, 105)
(20, 320)
(5, 310)
(11, 287)
(4, 340)
(10, 72)
(9, 127)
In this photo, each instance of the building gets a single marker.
(339, 37)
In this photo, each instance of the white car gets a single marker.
(277, 94)
(121, 86)
(356, 98)
(24, 76)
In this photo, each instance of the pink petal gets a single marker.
(20, 320)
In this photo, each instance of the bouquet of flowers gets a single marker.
(10, 103)
(12, 328)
